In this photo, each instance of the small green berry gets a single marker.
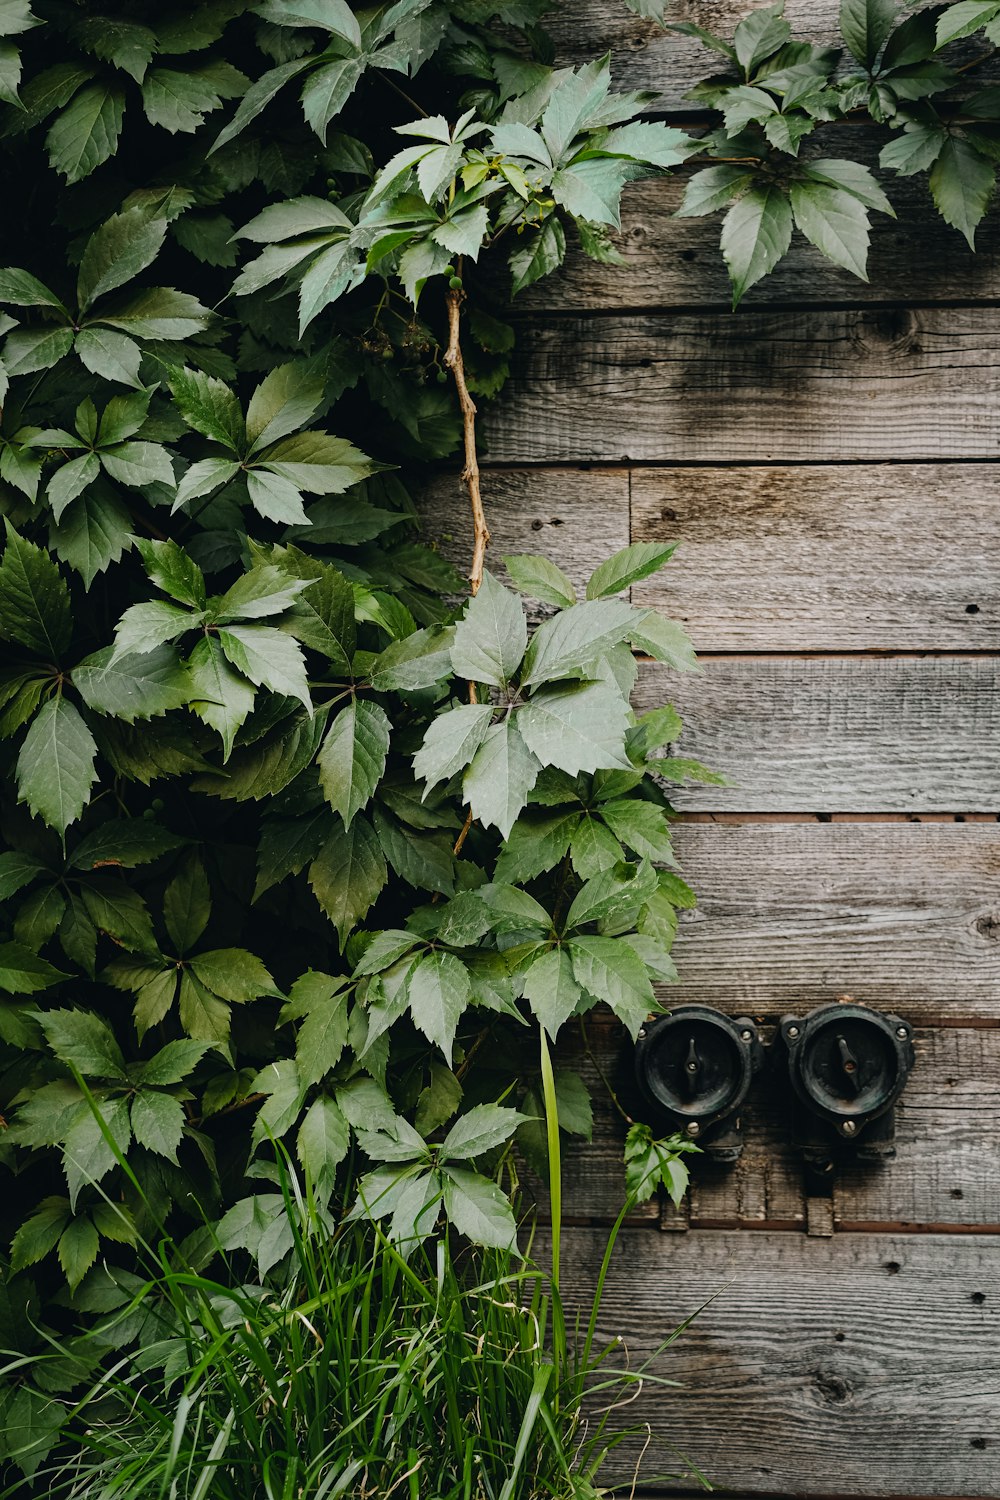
(455, 282)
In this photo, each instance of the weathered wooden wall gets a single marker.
(827, 458)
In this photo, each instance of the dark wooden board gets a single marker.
(880, 384)
(671, 262)
(860, 1364)
(904, 916)
(849, 734)
(899, 557)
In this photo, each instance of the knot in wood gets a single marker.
(988, 926)
(887, 330)
(832, 1387)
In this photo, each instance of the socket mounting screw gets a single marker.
(850, 1127)
(902, 1033)
(746, 1035)
(692, 1128)
(793, 1032)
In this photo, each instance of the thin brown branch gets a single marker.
(465, 830)
(470, 473)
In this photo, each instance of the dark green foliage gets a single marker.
(241, 725)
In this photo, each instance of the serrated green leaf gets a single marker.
(482, 1128)
(158, 1123)
(576, 727)
(86, 133)
(55, 769)
(38, 1235)
(322, 1143)
(187, 905)
(352, 760)
(137, 687)
(451, 740)
(348, 874)
(322, 1038)
(173, 571)
(30, 349)
(835, 222)
(756, 233)
(203, 1015)
(419, 661)
(220, 697)
(572, 643)
(864, 25)
(491, 637)
(542, 252)
(84, 1041)
(23, 972)
(438, 991)
(232, 973)
(478, 1209)
(664, 640)
(611, 971)
(145, 627)
(78, 1247)
(269, 658)
(123, 246)
(961, 183)
(552, 990)
(172, 1064)
(35, 605)
(538, 578)
(500, 776)
(209, 406)
(628, 566)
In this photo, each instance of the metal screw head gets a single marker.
(793, 1032)
(902, 1033)
(850, 1127)
(642, 1034)
(746, 1035)
(692, 1128)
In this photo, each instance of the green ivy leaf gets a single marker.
(961, 183)
(835, 222)
(123, 246)
(55, 769)
(322, 1143)
(628, 566)
(500, 776)
(538, 578)
(491, 637)
(611, 971)
(348, 874)
(35, 605)
(219, 696)
(136, 687)
(756, 233)
(24, 973)
(352, 761)
(576, 727)
(865, 24)
(84, 1041)
(438, 990)
(158, 1123)
(450, 742)
(86, 133)
(478, 1209)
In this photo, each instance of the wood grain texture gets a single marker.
(903, 916)
(575, 517)
(859, 1364)
(838, 735)
(899, 557)
(871, 385)
(645, 56)
(672, 262)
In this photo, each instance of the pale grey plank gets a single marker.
(863, 1364)
(903, 916)
(884, 557)
(838, 734)
(875, 384)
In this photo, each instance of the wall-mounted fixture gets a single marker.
(693, 1069)
(847, 1066)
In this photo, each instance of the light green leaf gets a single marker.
(711, 189)
(500, 776)
(264, 590)
(71, 480)
(257, 98)
(551, 989)
(78, 1247)
(158, 1123)
(138, 464)
(628, 566)
(438, 1101)
(204, 477)
(322, 1038)
(209, 406)
(491, 637)
(322, 1143)
(478, 1209)
(160, 312)
(144, 627)
(482, 1128)
(112, 356)
(576, 727)
(220, 697)
(173, 571)
(348, 874)
(86, 133)
(275, 498)
(438, 991)
(756, 233)
(421, 660)
(84, 1041)
(853, 178)
(137, 687)
(643, 826)
(542, 251)
(35, 605)
(663, 640)
(326, 91)
(281, 1083)
(269, 658)
(55, 769)
(31, 349)
(283, 402)
(233, 974)
(352, 760)
(203, 1015)
(621, 890)
(594, 848)
(961, 183)
(835, 222)
(538, 578)
(172, 1064)
(613, 972)
(571, 643)
(179, 101)
(23, 972)
(317, 462)
(37, 1236)
(451, 740)
(123, 246)
(20, 289)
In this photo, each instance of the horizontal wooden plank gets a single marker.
(575, 517)
(944, 1172)
(645, 56)
(888, 557)
(884, 557)
(670, 262)
(948, 1141)
(850, 734)
(904, 916)
(857, 1365)
(876, 384)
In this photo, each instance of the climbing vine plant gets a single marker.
(310, 842)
